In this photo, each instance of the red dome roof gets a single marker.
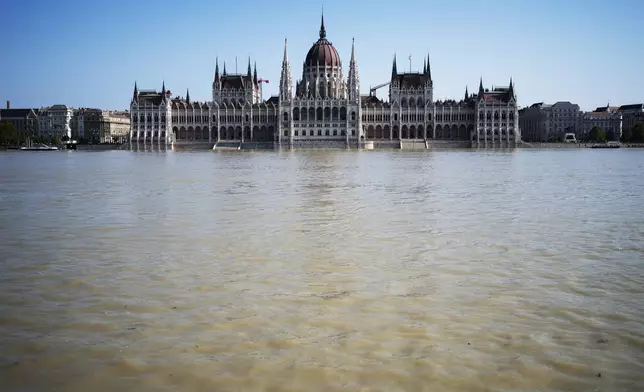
(322, 53)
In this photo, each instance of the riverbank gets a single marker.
(573, 145)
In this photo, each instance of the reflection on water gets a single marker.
(321, 271)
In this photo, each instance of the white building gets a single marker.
(325, 109)
(55, 121)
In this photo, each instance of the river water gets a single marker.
(322, 271)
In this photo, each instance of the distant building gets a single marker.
(116, 128)
(102, 126)
(24, 120)
(542, 122)
(631, 115)
(55, 121)
(606, 117)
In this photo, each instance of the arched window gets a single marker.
(285, 116)
(353, 116)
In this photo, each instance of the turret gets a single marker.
(255, 74)
(511, 90)
(394, 71)
(467, 96)
(428, 72)
(286, 89)
(188, 95)
(135, 95)
(217, 79)
(353, 80)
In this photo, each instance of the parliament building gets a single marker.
(324, 110)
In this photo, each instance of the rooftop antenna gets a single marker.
(235, 64)
(409, 63)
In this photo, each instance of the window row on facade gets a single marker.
(319, 114)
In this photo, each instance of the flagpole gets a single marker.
(235, 64)
(409, 63)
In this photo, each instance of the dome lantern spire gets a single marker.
(322, 29)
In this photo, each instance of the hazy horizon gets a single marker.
(90, 55)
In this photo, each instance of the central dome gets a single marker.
(322, 53)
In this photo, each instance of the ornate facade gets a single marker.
(325, 110)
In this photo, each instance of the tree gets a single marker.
(627, 135)
(8, 133)
(610, 135)
(637, 133)
(597, 134)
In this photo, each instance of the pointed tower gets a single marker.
(224, 68)
(428, 72)
(394, 71)
(249, 74)
(188, 95)
(135, 95)
(322, 29)
(481, 91)
(467, 96)
(286, 89)
(255, 74)
(217, 79)
(511, 90)
(424, 67)
(216, 84)
(353, 82)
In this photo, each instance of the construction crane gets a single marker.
(372, 90)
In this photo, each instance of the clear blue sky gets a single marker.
(89, 53)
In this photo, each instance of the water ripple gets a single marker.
(447, 271)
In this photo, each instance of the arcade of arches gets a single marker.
(237, 133)
(441, 132)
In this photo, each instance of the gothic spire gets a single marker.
(136, 92)
(429, 68)
(224, 68)
(286, 89)
(217, 70)
(322, 29)
(255, 74)
(466, 94)
(394, 71)
(481, 91)
(188, 95)
(353, 80)
(511, 89)
(249, 73)
(424, 67)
